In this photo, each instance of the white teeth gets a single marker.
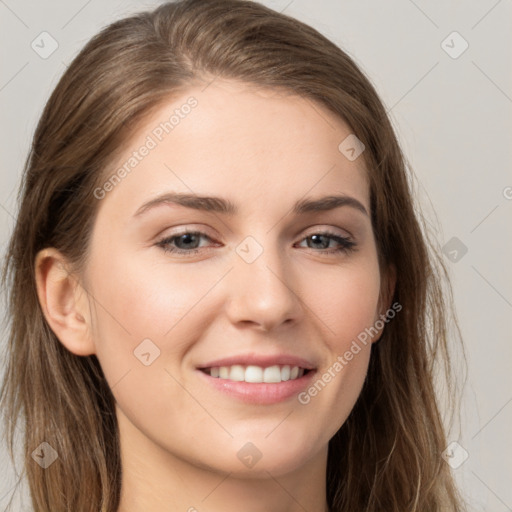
(272, 374)
(237, 373)
(253, 374)
(257, 374)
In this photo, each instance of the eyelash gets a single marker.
(346, 245)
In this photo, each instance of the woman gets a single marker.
(220, 294)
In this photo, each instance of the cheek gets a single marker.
(134, 303)
(146, 301)
(155, 310)
(344, 300)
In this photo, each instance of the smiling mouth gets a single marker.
(256, 374)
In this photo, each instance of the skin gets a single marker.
(263, 150)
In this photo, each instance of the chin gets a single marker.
(256, 460)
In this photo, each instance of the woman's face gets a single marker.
(186, 327)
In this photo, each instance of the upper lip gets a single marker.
(260, 360)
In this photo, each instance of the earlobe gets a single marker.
(63, 302)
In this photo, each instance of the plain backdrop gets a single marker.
(449, 96)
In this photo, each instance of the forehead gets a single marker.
(240, 141)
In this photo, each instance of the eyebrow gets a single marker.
(224, 206)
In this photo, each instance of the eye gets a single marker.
(188, 242)
(322, 240)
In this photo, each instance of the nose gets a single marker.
(262, 292)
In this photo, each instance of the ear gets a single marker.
(385, 298)
(64, 302)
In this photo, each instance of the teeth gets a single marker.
(256, 374)
(237, 372)
(272, 374)
(253, 374)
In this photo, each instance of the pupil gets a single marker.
(317, 238)
(186, 238)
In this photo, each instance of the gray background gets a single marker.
(453, 117)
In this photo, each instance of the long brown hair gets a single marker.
(387, 455)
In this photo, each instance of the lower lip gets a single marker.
(260, 393)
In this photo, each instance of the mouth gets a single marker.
(258, 380)
(257, 374)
